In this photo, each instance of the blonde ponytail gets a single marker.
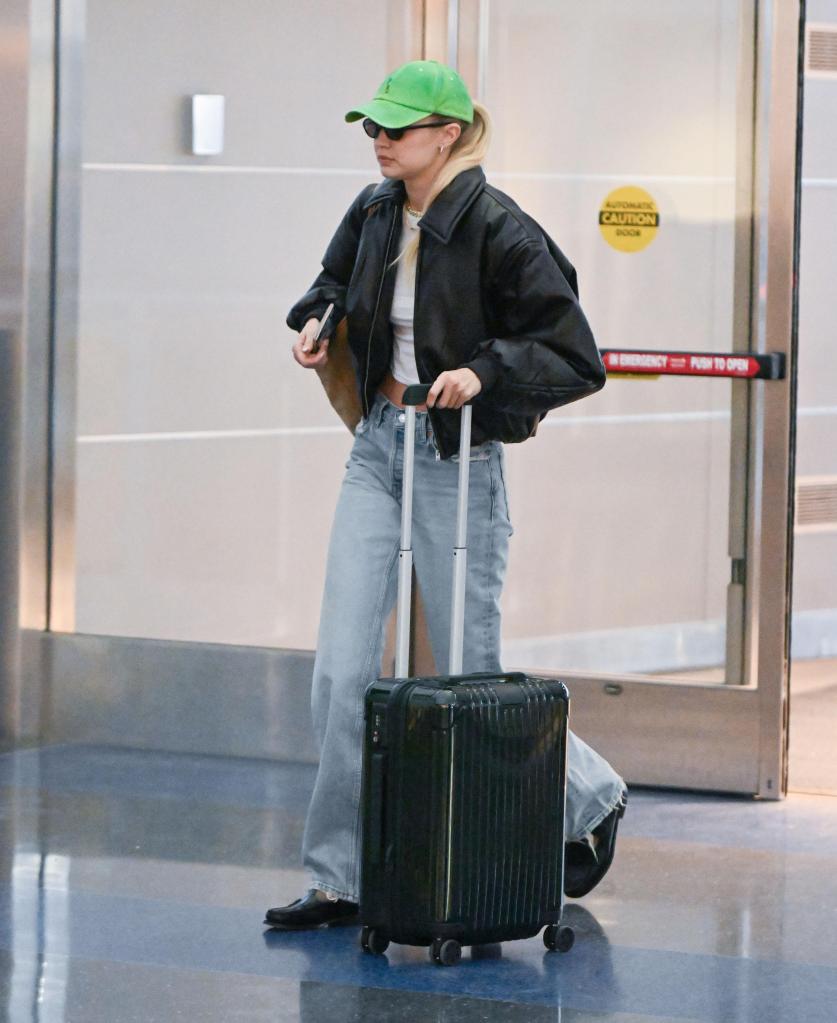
(468, 151)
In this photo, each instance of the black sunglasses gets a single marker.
(373, 129)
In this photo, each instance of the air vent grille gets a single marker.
(816, 504)
(821, 51)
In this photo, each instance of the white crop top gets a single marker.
(403, 365)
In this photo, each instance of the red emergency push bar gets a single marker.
(694, 364)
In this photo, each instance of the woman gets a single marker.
(441, 278)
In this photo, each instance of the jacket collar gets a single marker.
(449, 206)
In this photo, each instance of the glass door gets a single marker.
(641, 138)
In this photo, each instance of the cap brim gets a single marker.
(387, 114)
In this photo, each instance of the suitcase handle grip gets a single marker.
(483, 676)
(416, 394)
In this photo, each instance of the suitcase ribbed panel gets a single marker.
(502, 868)
(463, 834)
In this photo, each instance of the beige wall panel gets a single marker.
(595, 87)
(220, 541)
(821, 10)
(615, 527)
(186, 282)
(815, 571)
(817, 445)
(818, 254)
(819, 152)
(286, 71)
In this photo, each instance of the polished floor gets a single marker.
(133, 887)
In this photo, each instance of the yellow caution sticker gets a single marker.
(629, 219)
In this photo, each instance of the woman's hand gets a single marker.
(453, 388)
(305, 342)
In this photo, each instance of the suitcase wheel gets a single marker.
(373, 941)
(445, 952)
(558, 939)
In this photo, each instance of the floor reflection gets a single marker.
(132, 889)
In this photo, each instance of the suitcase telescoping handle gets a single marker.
(414, 395)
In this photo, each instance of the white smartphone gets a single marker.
(315, 347)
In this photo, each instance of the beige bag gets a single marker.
(339, 379)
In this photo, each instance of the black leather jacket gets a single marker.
(494, 293)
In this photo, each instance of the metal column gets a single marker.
(14, 74)
(10, 382)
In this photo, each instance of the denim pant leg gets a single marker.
(360, 588)
(594, 789)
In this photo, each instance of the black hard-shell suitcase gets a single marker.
(464, 788)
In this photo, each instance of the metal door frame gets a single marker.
(732, 736)
(16, 262)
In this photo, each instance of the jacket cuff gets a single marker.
(297, 319)
(486, 369)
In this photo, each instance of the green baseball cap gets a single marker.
(415, 90)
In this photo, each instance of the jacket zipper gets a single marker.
(375, 311)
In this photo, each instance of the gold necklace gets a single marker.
(411, 211)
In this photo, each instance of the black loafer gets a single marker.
(311, 912)
(584, 867)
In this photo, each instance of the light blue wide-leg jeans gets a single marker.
(360, 592)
